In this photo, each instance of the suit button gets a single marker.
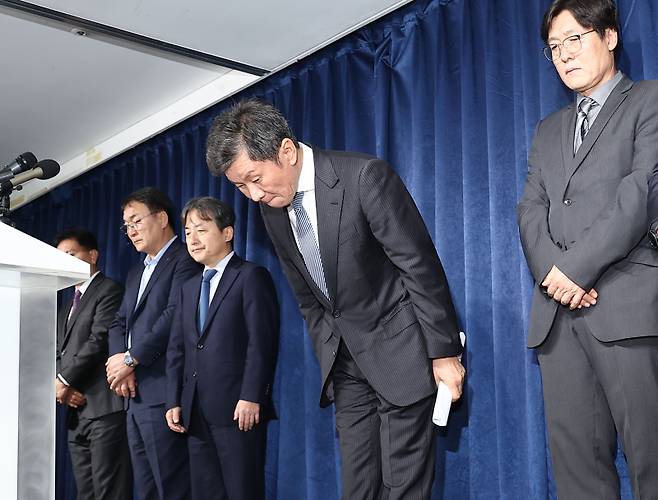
(336, 313)
(63, 352)
(568, 202)
(194, 374)
(199, 346)
(334, 353)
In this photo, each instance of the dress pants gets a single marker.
(592, 391)
(225, 462)
(387, 451)
(159, 455)
(99, 455)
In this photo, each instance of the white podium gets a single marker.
(31, 272)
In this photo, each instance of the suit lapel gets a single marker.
(278, 220)
(160, 268)
(568, 133)
(86, 299)
(612, 103)
(225, 282)
(329, 204)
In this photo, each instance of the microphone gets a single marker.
(45, 169)
(22, 163)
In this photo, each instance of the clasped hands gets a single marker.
(120, 376)
(561, 289)
(68, 396)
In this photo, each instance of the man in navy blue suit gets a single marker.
(221, 358)
(138, 341)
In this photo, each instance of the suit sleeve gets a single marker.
(540, 250)
(261, 316)
(117, 331)
(398, 226)
(95, 349)
(176, 356)
(153, 343)
(652, 202)
(623, 222)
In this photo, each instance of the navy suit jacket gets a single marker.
(234, 356)
(149, 321)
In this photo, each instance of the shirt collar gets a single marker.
(307, 175)
(601, 94)
(221, 265)
(85, 284)
(148, 261)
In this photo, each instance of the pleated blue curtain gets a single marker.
(449, 93)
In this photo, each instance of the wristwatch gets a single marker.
(128, 359)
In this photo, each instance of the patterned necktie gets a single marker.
(308, 246)
(583, 122)
(77, 296)
(204, 299)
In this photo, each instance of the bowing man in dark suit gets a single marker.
(370, 287)
(583, 223)
(221, 358)
(96, 420)
(138, 345)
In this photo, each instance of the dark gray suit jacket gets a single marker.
(82, 346)
(389, 296)
(588, 214)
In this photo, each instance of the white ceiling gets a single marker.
(84, 99)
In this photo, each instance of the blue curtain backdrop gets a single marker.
(449, 93)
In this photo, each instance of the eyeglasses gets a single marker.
(572, 44)
(135, 224)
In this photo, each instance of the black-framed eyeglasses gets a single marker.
(572, 44)
(135, 224)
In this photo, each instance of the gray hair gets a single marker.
(253, 126)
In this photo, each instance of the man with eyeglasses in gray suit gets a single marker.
(583, 223)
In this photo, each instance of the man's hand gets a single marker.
(247, 414)
(173, 419)
(451, 372)
(60, 391)
(127, 387)
(74, 398)
(117, 370)
(561, 289)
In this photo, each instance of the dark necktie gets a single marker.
(583, 121)
(77, 296)
(308, 246)
(204, 299)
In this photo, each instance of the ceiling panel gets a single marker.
(266, 34)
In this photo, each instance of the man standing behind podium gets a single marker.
(138, 343)
(220, 360)
(96, 420)
(372, 291)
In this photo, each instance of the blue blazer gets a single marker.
(234, 356)
(150, 320)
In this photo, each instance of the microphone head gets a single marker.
(28, 160)
(50, 168)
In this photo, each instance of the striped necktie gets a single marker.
(308, 246)
(583, 121)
